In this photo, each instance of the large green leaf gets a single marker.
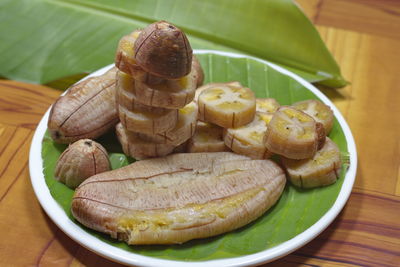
(296, 210)
(46, 40)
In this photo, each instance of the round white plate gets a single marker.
(92, 243)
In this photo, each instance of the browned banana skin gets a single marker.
(87, 110)
(163, 50)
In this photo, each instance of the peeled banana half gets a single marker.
(178, 198)
(207, 138)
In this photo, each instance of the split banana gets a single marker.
(136, 147)
(207, 138)
(292, 134)
(320, 170)
(227, 105)
(178, 198)
(269, 105)
(319, 111)
(87, 110)
(248, 139)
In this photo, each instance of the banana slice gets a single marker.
(319, 111)
(134, 146)
(227, 105)
(292, 134)
(207, 138)
(267, 105)
(184, 129)
(164, 95)
(320, 170)
(199, 71)
(248, 139)
(211, 85)
(151, 122)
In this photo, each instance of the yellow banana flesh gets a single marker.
(319, 111)
(207, 138)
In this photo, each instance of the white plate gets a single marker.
(92, 243)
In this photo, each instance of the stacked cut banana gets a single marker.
(258, 128)
(156, 84)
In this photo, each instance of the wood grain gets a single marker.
(363, 37)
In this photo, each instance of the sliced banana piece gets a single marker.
(292, 134)
(211, 85)
(320, 170)
(227, 105)
(248, 139)
(319, 111)
(184, 129)
(134, 146)
(150, 122)
(267, 105)
(207, 138)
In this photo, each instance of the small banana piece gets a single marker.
(319, 111)
(87, 110)
(320, 170)
(248, 139)
(269, 105)
(200, 89)
(292, 134)
(160, 95)
(184, 129)
(136, 147)
(227, 105)
(207, 138)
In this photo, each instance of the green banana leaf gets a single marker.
(296, 210)
(45, 40)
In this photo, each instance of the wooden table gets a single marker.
(364, 37)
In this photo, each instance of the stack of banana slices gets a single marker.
(156, 83)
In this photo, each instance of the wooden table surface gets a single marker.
(364, 37)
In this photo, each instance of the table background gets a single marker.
(364, 37)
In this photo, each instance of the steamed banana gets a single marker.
(162, 95)
(136, 147)
(269, 105)
(227, 105)
(248, 139)
(87, 110)
(178, 198)
(292, 134)
(319, 111)
(211, 85)
(320, 170)
(183, 130)
(207, 138)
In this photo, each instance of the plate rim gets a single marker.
(59, 217)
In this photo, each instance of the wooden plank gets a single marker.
(24, 105)
(380, 17)
(310, 8)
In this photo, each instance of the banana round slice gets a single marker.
(184, 129)
(292, 134)
(320, 170)
(211, 85)
(248, 139)
(227, 105)
(267, 105)
(207, 138)
(134, 146)
(150, 122)
(319, 111)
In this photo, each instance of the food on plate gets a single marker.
(79, 161)
(269, 105)
(292, 133)
(163, 50)
(320, 170)
(87, 110)
(319, 111)
(179, 197)
(135, 146)
(228, 105)
(248, 140)
(207, 138)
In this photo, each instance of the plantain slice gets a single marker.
(207, 138)
(248, 139)
(320, 170)
(319, 111)
(227, 105)
(178, 198)
(136, 147)
(269, 105)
